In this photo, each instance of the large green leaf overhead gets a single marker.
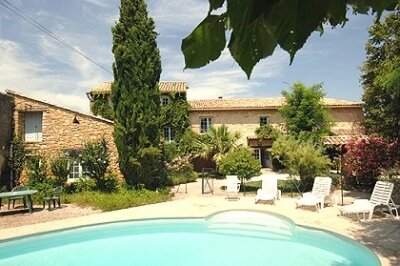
(206, 42)
(256, 27)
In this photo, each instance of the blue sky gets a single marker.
(38, 66)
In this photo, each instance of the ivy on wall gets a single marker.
(101, 106)
(176, 114)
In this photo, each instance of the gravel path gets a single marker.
(22, 217)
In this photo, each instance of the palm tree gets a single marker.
(217, 142)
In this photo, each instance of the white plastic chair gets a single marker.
(269, 190)
(321, 189)
(232, 187)
(381, 196)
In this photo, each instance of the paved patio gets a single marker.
(382, 234)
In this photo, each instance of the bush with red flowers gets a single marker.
(367, 157)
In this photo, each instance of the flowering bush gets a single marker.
(367, 157)
(95, 158)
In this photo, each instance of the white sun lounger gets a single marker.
(269, 190)
(321, 189)
(381, 196)
(232, 187)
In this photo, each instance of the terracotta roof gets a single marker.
(164, 86)
(257, 103)
(337, 140)
(13, 93)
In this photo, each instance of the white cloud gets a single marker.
(171, 16)
(102, 3)
(30, 77)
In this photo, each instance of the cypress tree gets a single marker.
(135, 94)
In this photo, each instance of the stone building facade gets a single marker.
(52, 129)
(246, 115)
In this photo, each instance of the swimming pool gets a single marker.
(225, 238)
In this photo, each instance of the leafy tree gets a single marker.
(381, 78)
(302, 158)
(241, 163)
(135, 94)
(304, 113)
(217, 142)
(256, 27)
(60, 168)
(366, 158)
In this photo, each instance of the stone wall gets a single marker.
(59, 133)
(346, 120)
(5, 135)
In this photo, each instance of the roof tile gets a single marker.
(257, 103)
(164, 86)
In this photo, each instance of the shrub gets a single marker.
(240, 163)
(116, 201)
(84, 184)
(181, 177)
(267, 132)
(96, 158)
(37, 175)
(108, 184)
(302, 158)
(37, 170)
(367, 157)
(60, 169)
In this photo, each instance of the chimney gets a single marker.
(219, 97)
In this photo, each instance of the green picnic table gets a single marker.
(24, 193)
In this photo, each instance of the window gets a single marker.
(205, 124)
(263, 120)
(256, 154)
(33, 126)
(77, 170)
(169, 134)
(164, 101)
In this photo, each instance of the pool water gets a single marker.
(227, 238)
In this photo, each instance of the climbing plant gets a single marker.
(102, 106)
(176, 114)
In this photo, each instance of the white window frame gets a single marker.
(263, 117)
(33, 126)
(164, 101)
(204, 127)
(257, 154)
(76, 165)
(169, 134)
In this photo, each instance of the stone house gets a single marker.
(246, 115)
(51, 129)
